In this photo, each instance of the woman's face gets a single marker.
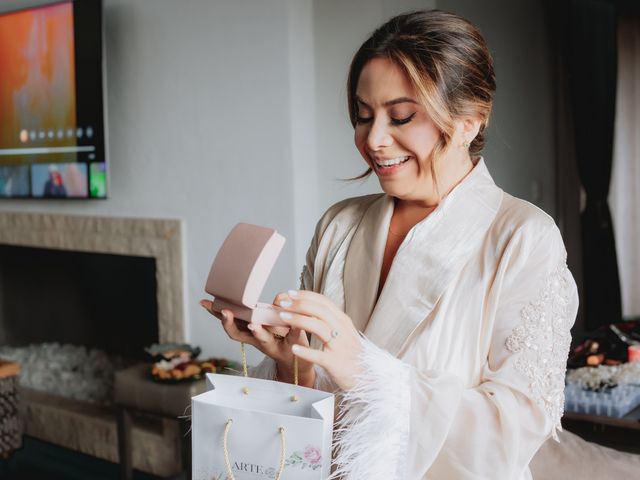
(393, 133)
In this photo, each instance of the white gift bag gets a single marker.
(249, 429)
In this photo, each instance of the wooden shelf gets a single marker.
(630, 420)
(619, 433)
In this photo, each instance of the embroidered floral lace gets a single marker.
(543, 339)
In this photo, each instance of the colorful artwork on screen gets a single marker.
(37, 84)
(59, 180)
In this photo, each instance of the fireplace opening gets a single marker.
(95, 300)
(71, 319)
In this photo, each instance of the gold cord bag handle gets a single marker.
(245, 370)
(226, 451)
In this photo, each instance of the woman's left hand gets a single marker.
(316, 314)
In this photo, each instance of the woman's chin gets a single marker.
(394, 189)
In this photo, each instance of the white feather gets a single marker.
(372, 430)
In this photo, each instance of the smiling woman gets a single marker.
(395, 136)
(441, 73)
(440, 309)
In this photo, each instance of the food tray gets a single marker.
(611, 402)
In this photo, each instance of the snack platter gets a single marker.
(177, 363)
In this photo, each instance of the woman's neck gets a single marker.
(456, 170)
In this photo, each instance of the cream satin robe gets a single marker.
(465, 350)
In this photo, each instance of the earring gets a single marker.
(466, 144)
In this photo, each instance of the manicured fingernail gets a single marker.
(295, 348)
(285, 303)
(286, 316)
(292, 293)
(251, 326)
(202, 304)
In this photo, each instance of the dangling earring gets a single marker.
(466, 144)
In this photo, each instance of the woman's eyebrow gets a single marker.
(389, 103)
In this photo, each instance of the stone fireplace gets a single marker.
(142, 258)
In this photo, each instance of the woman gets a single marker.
(440, 310)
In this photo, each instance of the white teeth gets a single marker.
(393, 161)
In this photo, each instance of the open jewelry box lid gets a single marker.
(243, 264)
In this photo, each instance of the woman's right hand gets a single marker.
(278, 347)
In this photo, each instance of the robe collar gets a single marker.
(426, 262)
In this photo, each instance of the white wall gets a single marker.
(199, 125)
(520, 146)
(226, 111)
(520, 140)
(340, 28)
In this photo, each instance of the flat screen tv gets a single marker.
(52, 142)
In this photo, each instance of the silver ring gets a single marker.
(334, 334)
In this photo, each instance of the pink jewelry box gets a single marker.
(240, 271)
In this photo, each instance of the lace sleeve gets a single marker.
(541, 341)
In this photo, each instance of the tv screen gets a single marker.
(51, 113)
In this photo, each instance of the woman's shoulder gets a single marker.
(520, 216)
(522, 224)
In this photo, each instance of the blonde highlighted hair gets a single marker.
(446, 60)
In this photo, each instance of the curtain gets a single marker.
(592, 67)
(624, 196)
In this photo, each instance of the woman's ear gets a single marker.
(466, 129)
(470, 127)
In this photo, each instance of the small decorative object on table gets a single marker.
(612, 391)
(603, 378)
(177, 362)
(634, 353)
(10, 426)
(608, 345)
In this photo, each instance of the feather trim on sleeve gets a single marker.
(372, 429)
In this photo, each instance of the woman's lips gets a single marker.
(385, 171)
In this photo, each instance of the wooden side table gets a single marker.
(136, 392)
(10, 425)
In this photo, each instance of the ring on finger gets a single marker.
(334, 334)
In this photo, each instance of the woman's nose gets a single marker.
(378, 136)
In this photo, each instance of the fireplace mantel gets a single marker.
(145, 237)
